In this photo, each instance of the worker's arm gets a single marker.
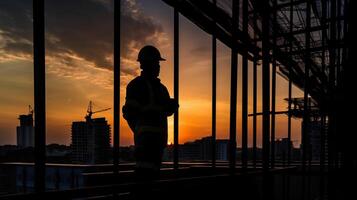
(132, 107)
(171, 104)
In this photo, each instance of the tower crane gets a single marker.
(90, 111)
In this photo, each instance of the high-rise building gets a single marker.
(282, 148)
(25, 132)
(91, 141)
(313, 138)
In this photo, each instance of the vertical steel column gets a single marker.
(291, 23)
(214, 86)
(323, 116)
(306, 116)
(267, 177)
(39, 93)
(322, 156)
(245, 90)
(116, 113)
(338, 21)
(176, 86)
(345, 24)
(332, 73)
(233, 98)
(273, 90)
(255, 65)
(266, 83)
(255, 107)
(290, 80)
(331, 92)
(323, 67)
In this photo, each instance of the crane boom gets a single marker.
(90, 111)
(101, 110)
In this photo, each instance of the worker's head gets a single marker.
(149, 58)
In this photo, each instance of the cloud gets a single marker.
(80, 29)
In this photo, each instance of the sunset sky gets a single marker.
(79, 52)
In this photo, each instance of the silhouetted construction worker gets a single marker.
(147, 106)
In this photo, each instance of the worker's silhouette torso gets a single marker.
(147, 106)
(146, 91)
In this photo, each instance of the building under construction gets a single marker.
(91, 139)
(308, 42)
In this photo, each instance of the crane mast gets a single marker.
(90, 111)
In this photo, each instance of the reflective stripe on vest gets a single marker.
(151, 105)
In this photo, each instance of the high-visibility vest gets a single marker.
(141, 126)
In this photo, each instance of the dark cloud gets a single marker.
(80, 27)
(16, 26)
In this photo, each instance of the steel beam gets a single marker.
(306, 117)
(290, 84)
(273, 92)
(116, 113)
(245, 91)
(39, 93)
(255, 65)
(233, 98)
(266, 85)
(176, 86)
(214, 91)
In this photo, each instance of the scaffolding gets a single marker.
(304, 41)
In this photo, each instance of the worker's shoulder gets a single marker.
(137, 81)
(163, 86)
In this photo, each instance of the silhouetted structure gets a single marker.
(308, 42)
(147, 106)
(315, 144)
(26, 131)
(91, 141)
(282, 148)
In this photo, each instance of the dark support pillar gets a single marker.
(116, 113)
(338, 35)
(332, 52)
(306, 117)
(255, 65)
(214, 90)
(176, 86)
(266, 84)
(255, 111)
(323, 67)
(39, 93)
(322, 156)
(331, 137)
(290, 82)
(245, 91)
(233, 100)
(273, 92)
(267, 177)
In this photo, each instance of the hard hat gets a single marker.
(150, 53)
